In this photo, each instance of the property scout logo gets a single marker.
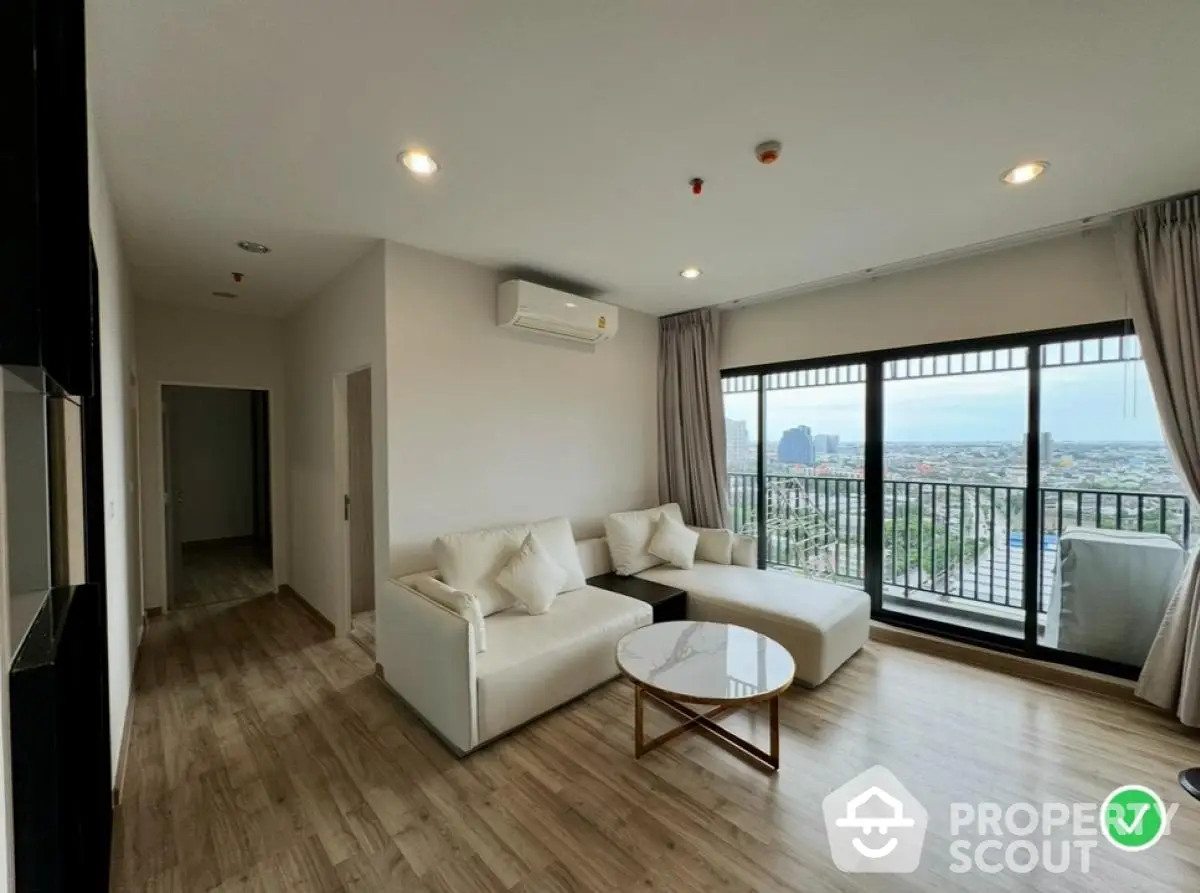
(876, 825)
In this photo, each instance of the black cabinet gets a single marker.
(47, 315)
(58, 681)
(60, 764)
(20, 341)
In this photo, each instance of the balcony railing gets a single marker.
(962, 541)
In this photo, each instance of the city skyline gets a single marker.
(1106, 403)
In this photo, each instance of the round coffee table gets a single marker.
(714, 664)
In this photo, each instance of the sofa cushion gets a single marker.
(673, 542)
(532, 577)
(629, 534)
(715, 545)
(821, 624)
(471, 560)
(534, 664)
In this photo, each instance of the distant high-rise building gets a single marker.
(737, 441)
(826, 443)
(1045, 446)
(796, 446)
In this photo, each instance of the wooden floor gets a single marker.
(266, 757)
(220, 571)
(362, 630)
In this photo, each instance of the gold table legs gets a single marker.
(705, 724)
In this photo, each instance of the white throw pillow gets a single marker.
(745, 551)
(629, 534)
(674, 542)
(463, 604)
(470, 561)
(532, 577)
(558, 539)
(716, 545)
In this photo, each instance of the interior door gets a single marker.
(171, 498)
(360, 514)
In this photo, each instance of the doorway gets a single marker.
(216, 495)
(359, 510)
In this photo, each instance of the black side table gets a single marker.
(668, 602)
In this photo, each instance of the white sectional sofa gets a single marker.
(474, 678)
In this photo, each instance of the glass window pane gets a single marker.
(814, 478)
(953, 494)
(1105, 473)
(741, 454)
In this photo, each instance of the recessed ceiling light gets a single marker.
(253, 247)
(690, 273)
(419, 162)
(572, 304)
(1023, 173)
(224, 294)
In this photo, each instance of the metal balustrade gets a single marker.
(955, 540)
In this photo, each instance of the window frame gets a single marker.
(873, 491)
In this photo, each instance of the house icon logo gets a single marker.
(875, 825)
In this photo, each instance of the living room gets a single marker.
(680, 425)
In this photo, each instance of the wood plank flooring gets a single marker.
(266, 757)
(362, 630)
(222, 570)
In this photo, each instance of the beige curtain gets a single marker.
(691, 418)
(1158, 248)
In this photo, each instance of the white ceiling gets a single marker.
(568, 130)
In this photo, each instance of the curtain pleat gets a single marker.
(1158, 249)
(691, 424)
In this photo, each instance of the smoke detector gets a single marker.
(768, 152)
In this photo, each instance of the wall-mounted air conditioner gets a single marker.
(547, 311)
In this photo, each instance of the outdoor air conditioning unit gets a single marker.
(546, 311)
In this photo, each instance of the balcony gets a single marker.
(951, 551)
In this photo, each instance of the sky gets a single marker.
(1104, 402)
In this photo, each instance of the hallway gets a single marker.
(221, 571)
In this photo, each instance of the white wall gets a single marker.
(119, 411)
(214, 456)
(338, 331)
(488, 426)
(177, 344)
(1061, 282)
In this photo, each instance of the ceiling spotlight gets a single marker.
(253, 247)
(420, 163)
(1023, 173)
(690, 273)
(224, 294)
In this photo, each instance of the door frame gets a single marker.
(277, 577)
(341, 487)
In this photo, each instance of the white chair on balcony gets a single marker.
(1111, 589)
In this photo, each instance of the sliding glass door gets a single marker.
(1116, 522)
(1013, 491)
(954, 488)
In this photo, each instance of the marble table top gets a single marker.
(710, 662)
